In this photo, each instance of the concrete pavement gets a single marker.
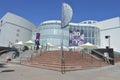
(20, 72)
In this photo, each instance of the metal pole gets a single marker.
(62, 53)
(108, 38)
(109, 41)
(66, 17)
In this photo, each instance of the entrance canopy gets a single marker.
(19, 43)
(51, 45)
(30, 42)
(88, 45)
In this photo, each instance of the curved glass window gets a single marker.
(51, 33)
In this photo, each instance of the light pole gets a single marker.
(108, 37)
(66, 18)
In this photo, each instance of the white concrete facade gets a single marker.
(14, 28)
(110, 27)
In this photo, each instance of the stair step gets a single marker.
(73, 61)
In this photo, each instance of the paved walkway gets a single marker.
(19, 72)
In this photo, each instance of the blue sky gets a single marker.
(37, 11)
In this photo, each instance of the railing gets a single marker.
(103, 57)
(102, 54)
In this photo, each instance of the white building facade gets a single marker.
(14, 28)
(111, 28)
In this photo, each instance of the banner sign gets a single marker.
(76, 37)
(37, 36)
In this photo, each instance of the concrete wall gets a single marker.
(110, 27)
(15, 28)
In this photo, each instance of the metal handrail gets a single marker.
(102, 55)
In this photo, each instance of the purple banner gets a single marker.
(76, 37)
(37, 36)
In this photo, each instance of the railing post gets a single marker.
(62, 66)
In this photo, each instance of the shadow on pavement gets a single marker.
(8, 71)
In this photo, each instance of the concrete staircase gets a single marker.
(117, 59)
(72, 61)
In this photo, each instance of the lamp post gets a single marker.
(108, 37)
(66, 18)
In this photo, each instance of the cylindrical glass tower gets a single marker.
(50, 32)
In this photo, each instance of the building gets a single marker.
(110, 28)
(51, 32)
(101, 33)
(14, 28)
(104, 33)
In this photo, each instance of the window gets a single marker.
(85, 22)
(17, 35)
(18, 30)
(89, 22)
